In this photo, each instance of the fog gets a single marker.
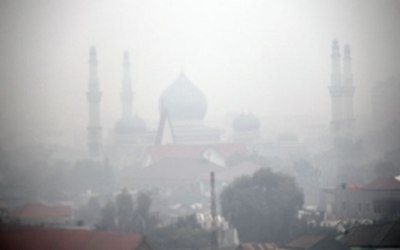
(268, 57)
(293, 101)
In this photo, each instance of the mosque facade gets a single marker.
(183, 107)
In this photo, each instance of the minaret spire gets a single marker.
(94, 137)
(335, 57)
(126, 93)
(335, 89)
(348, 89)
(347, 72)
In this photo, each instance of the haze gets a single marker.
(268, 57)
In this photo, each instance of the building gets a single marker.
(379, 199)
(130, 129)
(220, 154)
(94, 129)
(246, 128)
(342, 92)
(39, 213)
(186, 107)
(35, 238)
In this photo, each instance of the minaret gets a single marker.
(348, 90)
(336, 89)
(94, 138)
(126, 93)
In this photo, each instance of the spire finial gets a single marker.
(92, 55)
(347, 52)
(335, 48)
(126, 58)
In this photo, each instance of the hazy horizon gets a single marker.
(267, 57)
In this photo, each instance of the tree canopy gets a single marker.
(185, 233)
(126, 215)
(263, 207)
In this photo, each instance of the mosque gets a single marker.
(182, 110)
(182, 106)
(188, 148)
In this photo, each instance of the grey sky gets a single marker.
(268, 57)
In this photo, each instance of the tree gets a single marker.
(107, 221)
(185, 233)
(262, 207)
(125, 211)
(143, 218)
(125, 215)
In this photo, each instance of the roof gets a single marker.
(382, 184)
(31, 238)
(184, 101)
(195, 151)
(257, 246)
(238, 170)
(304, 242)
(315, 242)
(42, 211)
(385, 235)
(178, 169)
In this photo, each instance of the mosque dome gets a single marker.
(246, 123)
(130, 125)
(184, 101)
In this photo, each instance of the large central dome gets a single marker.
(184, 101)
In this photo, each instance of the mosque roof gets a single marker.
(195, 151)
(183, 100)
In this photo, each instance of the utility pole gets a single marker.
(214, 230)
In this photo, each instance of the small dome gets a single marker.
(133, 124)
(184, 101)
(246, 123)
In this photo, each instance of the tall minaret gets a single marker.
(94, 138)
(336, 89)
(348, 90)
(126, 93)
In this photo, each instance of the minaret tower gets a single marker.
(94, 137)
(348, 90)
(336, 89)
(126, 93)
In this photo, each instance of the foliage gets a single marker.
(185, 233)
(262, 207)
(125, 215)
(89, 213)
(31, 172)
(107, 221)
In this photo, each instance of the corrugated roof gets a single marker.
(29, 238)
